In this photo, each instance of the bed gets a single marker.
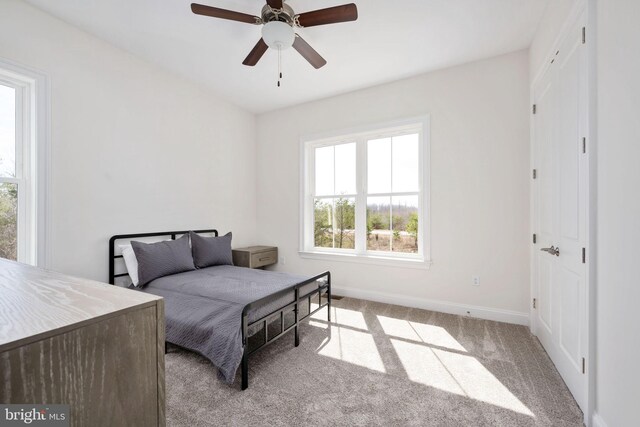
(227, 313)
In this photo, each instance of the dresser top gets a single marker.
(36, 303)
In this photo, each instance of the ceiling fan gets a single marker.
(279, 23)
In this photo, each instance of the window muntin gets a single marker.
(385, 218)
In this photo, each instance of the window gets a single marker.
(8, 181)
(22, 165)
(366, 194)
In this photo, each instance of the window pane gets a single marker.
(378, 224)
(379, 166)
(8, 220)
(334, 223)
(7, 131)
(344, 223)
(345, 166)
(404, 224)
(324, 171)
(323, 223)
(405, 163)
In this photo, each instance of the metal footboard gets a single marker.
(323, 287)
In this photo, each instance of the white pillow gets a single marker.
(130, 262)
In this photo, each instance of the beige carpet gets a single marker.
(380, 364)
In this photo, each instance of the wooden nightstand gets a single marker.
(255, 256)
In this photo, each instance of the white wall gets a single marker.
(479, 183)
(134, 148)
(618, 330)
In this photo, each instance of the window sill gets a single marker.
(417, 263)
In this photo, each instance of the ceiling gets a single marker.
(390, 40)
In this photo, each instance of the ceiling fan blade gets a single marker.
(256, 53)
(308, 52)
(332, 15)
(200, 9)
(275, 4)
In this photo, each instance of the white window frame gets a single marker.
(32, 161)
(360, 136)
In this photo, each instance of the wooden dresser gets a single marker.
(93, 346)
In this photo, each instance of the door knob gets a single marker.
(552, 250)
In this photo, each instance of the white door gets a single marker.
(560, 210)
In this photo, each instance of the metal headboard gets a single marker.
(112, 246)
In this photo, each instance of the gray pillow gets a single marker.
(162, 258)
(210, 251)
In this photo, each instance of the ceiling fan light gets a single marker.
(278, 34)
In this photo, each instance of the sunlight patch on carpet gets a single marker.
(455, 373)
(421, 332)
(422, 366)
(479, 383)
(354, 347)
(342, 316)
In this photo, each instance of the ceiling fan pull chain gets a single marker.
(279, 65)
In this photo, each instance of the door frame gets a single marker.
(586, 8)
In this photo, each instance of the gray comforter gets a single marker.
(203, 308)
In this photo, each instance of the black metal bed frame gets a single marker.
(323, 288)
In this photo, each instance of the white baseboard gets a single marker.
(487, 313)
(597, 421)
